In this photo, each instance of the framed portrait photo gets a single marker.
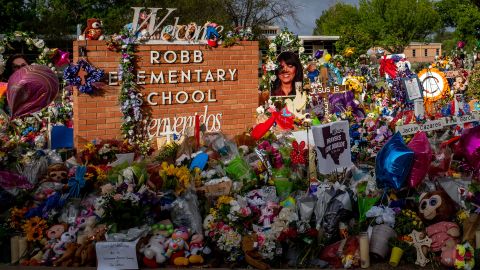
(413, 87)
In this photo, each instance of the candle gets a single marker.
(477, 239)
(14, 249)
(22, 247)
(364, 250)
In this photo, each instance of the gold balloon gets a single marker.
(328, 57)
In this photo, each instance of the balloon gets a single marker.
(469, 146)
(460, 44)
(31, 89)
(3, 88)
(318, 54)
(262, 128)
(393, 163)
(349, 52)
(61, 58)
(422, 156)
(327, 57)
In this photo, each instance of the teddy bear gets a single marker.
(252, 257)
(85, 224)
(85, 254)
(68, 256)
(154, 251)
(93, 31)
(69, 236)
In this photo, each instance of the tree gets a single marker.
(393, 24)
(334, 20)
(15, 15)
(255, 13)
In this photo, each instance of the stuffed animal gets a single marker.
(85, 254)
(436, 206)
(313, 72)
(93, 31)
(252, 257)
(85, 224)
(445, 237)
(67, 258)
(212, 34)
(53, 235)
(196, 248)
(155, 249)
(56, 180)
(178, 241)
(67, 237)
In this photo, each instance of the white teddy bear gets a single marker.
(155, 248)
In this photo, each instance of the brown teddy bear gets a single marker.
(93, 31)
(252, 257)
(67, 257)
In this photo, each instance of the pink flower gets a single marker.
(117, 197)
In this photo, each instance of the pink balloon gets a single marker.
(422, 157)
(469, 146)
(61, 58)
(31, 89)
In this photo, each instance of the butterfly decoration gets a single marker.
(299, 153)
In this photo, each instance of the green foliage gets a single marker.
(464, 17)
(336, 19)
(394, 24)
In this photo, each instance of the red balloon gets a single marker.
(262, 128)
(31, 89)
(422, 157)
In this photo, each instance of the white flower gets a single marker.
(272, 47)
(28, 41)
(273, 78)
(2, 50)
(128, 174)
(270, 66)
(301, 50)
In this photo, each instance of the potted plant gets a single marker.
(398, 248)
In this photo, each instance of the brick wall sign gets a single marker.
(178, 81)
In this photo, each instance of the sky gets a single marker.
(309, 11)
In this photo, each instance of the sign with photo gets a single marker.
(413, 87)
(332, 142)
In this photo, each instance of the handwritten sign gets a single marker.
(325, 90)
(438, 124)
(332, 142)
(116, 255)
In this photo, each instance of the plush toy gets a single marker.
(268, 213)
(85, 224)
(178, 241)
(155, 249)
(67, 258)
(212, 34)
(67, 237)
(85, 254)
(196, 248)
(445, 237)
(436, 206)
(313, 72)
(252, 257)
(93, 31)
(53, 235)
(56, 180)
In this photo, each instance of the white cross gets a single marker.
(167, 131)
(418, 242)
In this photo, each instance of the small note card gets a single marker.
(116, 255)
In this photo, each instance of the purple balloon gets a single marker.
(31, 89)
(319, 54)
(469, 146)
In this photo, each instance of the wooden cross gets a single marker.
(420, 240)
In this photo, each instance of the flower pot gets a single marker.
(395, 256)
(379, 240)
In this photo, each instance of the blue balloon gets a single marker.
(393, 163)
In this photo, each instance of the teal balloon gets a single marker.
(393, 163)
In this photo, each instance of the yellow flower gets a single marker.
(415, 223)
(90, 147)
(34, 228)
(223, 200)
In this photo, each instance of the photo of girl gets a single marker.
(290, 71)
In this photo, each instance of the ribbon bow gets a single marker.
(75, 184)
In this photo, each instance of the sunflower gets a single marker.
(34, 228)
(16, 217)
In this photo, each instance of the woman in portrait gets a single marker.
(14, 63)
(290, 71)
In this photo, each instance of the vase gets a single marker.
(395, 256)
(379, 240)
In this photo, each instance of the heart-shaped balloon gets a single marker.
(318, 54)
(422, 157)
(469, 146)
(31, 89)
(393, 163)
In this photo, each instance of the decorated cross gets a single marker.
(419, 241)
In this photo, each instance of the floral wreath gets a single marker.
(44, 58)
(94, 75)
(134, 116)
(285, 41)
